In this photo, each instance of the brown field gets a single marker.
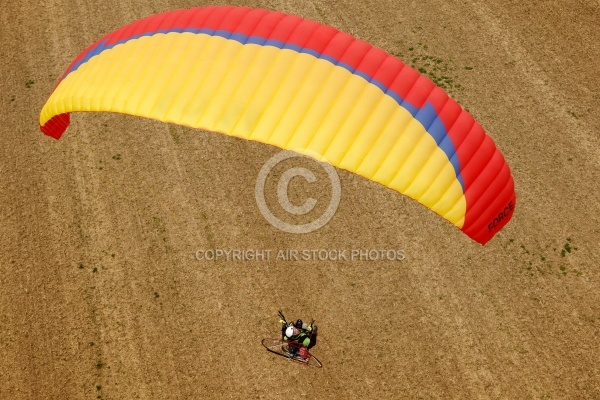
(101, 295)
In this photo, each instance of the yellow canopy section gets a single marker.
(282, 97)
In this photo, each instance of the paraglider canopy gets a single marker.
(299, 85)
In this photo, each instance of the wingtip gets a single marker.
(56, 126)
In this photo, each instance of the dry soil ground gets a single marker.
(101, 295)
